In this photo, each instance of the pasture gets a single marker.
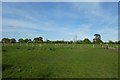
(59, 61)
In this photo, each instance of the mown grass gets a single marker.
(0, 61)
(59, 61)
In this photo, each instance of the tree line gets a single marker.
(96, 40)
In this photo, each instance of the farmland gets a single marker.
(59, 61)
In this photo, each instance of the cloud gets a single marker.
(37, 29)
(95, 12)
(81, 19)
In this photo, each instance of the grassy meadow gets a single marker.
(59, 61)
(0, 61)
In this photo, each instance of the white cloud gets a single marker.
(82, 31)
(30, 28)
(33, 26)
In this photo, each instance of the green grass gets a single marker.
(0, 61)
(63, 61)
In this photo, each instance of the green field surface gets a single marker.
(0, 60)
(59, 61)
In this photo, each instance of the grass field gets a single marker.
(0, 60)
(59, 61)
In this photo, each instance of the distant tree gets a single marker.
(60, 41)
(13, 40)
(94, 40)
(119, 42)
(79, 41)
(21, 40)
(5, 40)
(105, 42)
(111, 42)
(26, 40)
(97, 36)
(86, 41)
(38, 40)
(116, 42)
(71, 42)
(97, 39)
(29, 41)
(48, 41)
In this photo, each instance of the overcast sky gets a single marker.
(60, 20)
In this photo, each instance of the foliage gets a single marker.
(79, 41)
(86, 41)
(5, 40)
(13, 40)
(111, 42)
(38, 40)
(97, 39)
(21, 40)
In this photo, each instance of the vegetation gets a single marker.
(59, 61)
(28, 58)
(86, 41)
(96, 40)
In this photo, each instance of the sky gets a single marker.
(60, 20)
(60, 0)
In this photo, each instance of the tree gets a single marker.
(13, 40)
(94, 40)
(79, 41)
(86, 41)
(21, 40)
(119, 42)
(111, 42)
(5, 40)
(29, 41)
(38, 40)
(48, 41)
(97, 39)
(97, 36)
(116, 42)
(26, 40)
(70, 42)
